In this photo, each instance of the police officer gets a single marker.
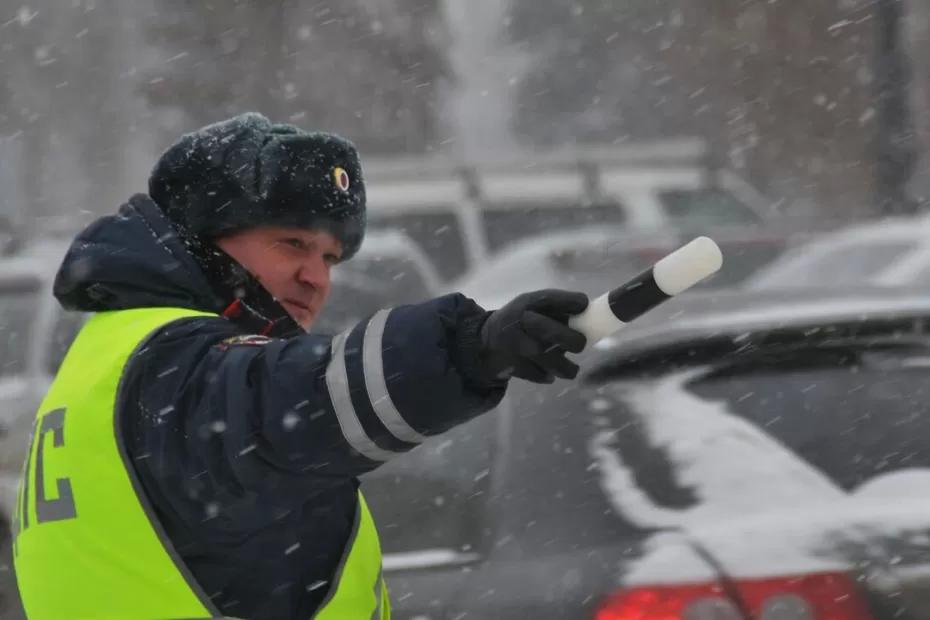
(197, 454)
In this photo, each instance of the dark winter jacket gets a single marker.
(248, 447)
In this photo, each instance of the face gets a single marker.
(292, 264)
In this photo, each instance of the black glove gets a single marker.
(528, 337)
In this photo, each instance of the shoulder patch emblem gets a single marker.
(252, 340)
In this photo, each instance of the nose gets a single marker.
(314, 271)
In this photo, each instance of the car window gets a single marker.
(439, 234)
(854, 263)
(505, 224)
(847, 413)
(508, 275)
(605, 258)
(851, 414)
(434, 497)
(921, 278)
(401, 275)
(349, 303)
(17, 314)
(66, 327)
(706, 206)
(365, 285)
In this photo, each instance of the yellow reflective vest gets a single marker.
(86, 541)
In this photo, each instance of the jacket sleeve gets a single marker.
(252, 410)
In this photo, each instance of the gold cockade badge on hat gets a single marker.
(341, 178)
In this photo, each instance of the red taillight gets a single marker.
(825, 596)
(662, 602)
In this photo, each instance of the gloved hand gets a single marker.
(528, 337)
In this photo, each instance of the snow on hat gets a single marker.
(246, 172)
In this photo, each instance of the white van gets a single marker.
(461, 214)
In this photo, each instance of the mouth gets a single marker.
(301, 307)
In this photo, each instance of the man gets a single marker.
(198, 452)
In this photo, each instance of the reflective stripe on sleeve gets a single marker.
(337, 382)
(375, 383)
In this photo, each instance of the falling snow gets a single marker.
(506, 147)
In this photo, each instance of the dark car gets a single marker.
(388, 271)
(728, 456)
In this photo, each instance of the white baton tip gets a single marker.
(687, 266)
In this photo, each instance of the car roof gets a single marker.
(656, 154)
(737, 315)
(578, 238)
(906, 229)
(546, 242)
(909, 226)
(536, 250)
(385, 241)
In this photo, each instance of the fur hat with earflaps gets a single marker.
(246, 172)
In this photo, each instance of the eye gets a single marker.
(295, 243)
(331, 259)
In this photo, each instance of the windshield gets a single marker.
(438, 233)
(506, 224)
(706, 207)
(523, 271)
(850, 265)
(348, 304)
(852, 415)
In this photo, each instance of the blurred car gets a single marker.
(462, 214)
(8, 237)
(728, 456)
(35, 334)
(892, 252)
(596, 259)
(389, 270)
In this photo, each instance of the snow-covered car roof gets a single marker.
(891, 252)
(737, 315)
(559, 259)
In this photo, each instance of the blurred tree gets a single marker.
(29, 74)
(896, 138)
(214, 59)
(591, 78)
(374, 70)
(784, 88)
(917, 36)
(69, 104)
(369, 69)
